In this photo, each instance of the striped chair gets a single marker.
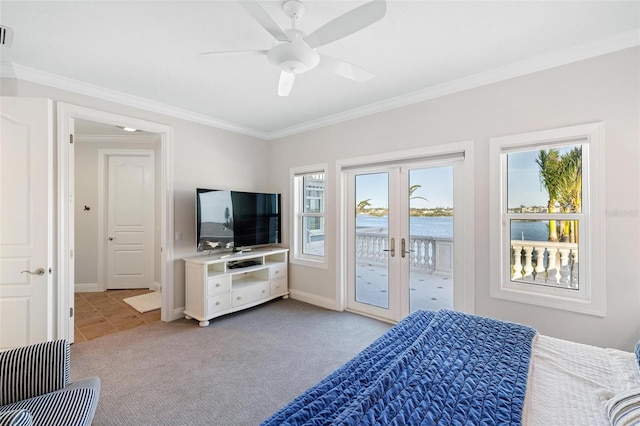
(35, 388)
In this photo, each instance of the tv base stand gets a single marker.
(220, 284)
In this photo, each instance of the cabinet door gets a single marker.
(218, 285)
(219, 303)
(278, 271)
(279, 287)
(250, 294)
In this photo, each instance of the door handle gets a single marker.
(110, 238)
(403, 248)
(392, 250)
(39, 271)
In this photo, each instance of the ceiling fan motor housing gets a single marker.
(295, 57)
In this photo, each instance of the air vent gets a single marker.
(6, 35)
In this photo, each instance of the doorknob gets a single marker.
(110, 238)
(392, 250)
(39, 271)
(403, 248)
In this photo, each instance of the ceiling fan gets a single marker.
(295, 52)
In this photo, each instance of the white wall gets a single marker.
(203, 156)
(605, 88)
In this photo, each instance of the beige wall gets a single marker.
(202, 156)
(605, 88)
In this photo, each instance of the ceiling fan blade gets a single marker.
(259, 14)
(344, 69)
(347, 24)
(286, 83)
(235, 53)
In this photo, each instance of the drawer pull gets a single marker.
(217, 284)
(238, 298)
(217, 303)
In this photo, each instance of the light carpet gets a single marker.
(237, 371)
(145, 302)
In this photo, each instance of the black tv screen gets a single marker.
(235, 219)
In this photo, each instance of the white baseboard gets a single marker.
(86, 288)
(156, 287)
(178, 313)
(312, 299)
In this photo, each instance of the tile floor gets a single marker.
(99, 314)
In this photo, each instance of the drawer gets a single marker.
(218, 303)
(217, 285)
(250, 294)
(279, 286)
(278, 271)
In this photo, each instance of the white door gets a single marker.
(130, 229)
(400, 242)
(26, 221)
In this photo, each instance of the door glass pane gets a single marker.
(372, 239)
(430, 247)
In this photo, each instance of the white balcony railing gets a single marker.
(545, 262)
(536, 262)
(429, 254)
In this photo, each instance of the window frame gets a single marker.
(298, 215)
(590, 297)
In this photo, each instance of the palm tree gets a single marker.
(413, 189)
(570, 197)
(550, 177)
(363, 205)
(571, 181)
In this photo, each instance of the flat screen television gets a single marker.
(235, 219)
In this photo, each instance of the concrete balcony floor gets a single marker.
(427, 291)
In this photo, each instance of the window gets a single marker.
(309, 216)
(546, 228)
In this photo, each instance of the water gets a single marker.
(437, 227)
(442, 227)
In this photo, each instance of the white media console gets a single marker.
(224, 283)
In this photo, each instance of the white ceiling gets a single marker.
(145, 53)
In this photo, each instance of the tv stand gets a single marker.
(220, 284)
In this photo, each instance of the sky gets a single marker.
(436, 186)
(524, 179)
(524, 186)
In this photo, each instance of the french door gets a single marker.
(400, 246)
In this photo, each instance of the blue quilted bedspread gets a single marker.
(432, 368)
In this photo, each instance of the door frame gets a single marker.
(67, 113)
(103, 196)
(464, 199)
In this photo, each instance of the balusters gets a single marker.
(564, 266)
(539, 268)
(528, 266)
(517, 262)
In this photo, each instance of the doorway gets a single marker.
(408, 232)
(71, 120)
(116, 257)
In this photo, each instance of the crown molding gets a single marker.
(52, 80)
(558, 58)
(603, 46)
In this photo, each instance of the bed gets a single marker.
(452, 368)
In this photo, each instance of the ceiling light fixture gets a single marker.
(127, 129)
